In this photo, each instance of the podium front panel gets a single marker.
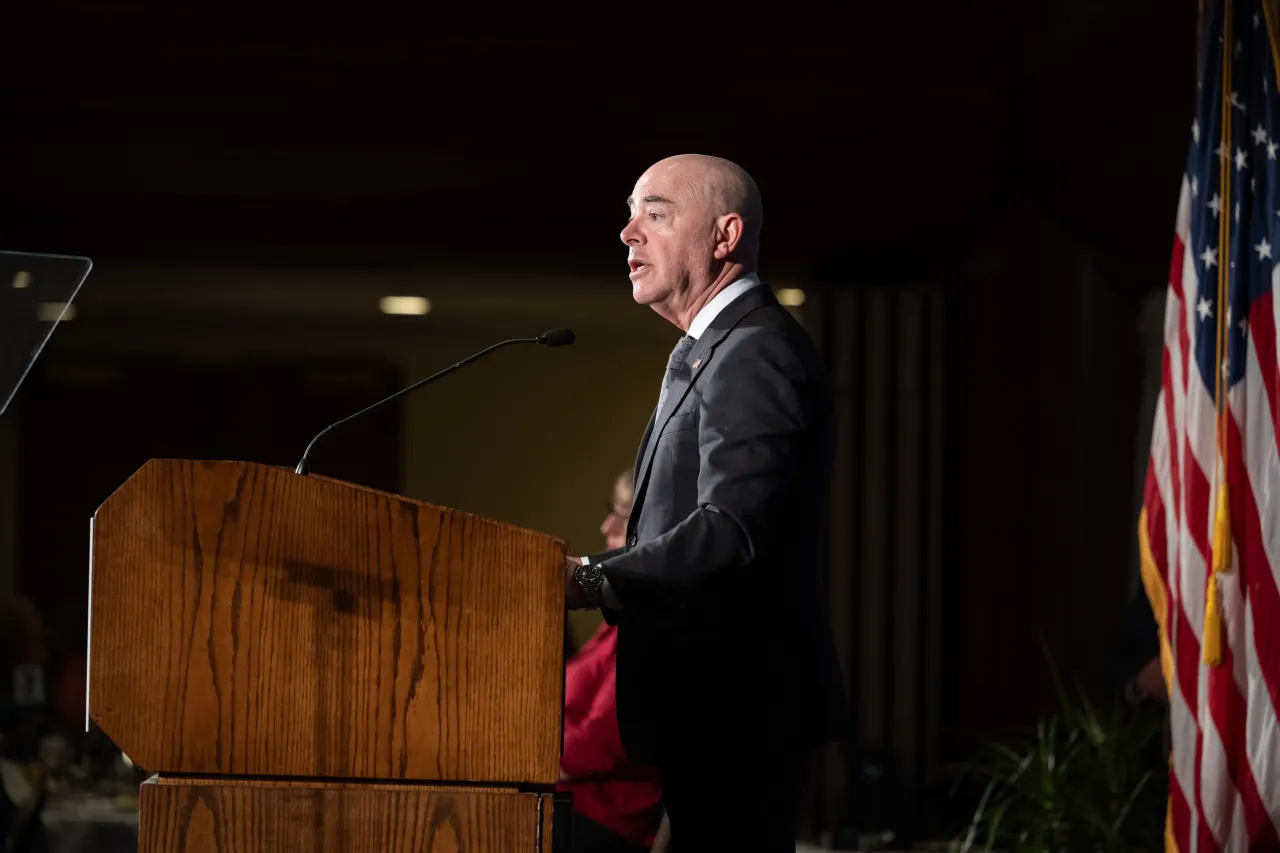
(247, 620)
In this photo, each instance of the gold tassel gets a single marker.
(1222, 533)
(1212, 644)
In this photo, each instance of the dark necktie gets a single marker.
(674, 365)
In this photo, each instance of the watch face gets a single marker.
(590, 575)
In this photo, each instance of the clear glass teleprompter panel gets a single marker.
(36, 293)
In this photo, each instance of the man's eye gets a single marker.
(654, 217)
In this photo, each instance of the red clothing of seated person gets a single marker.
(607, 788)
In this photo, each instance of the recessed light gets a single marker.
(404, 305)
(21, 280)
(791, 296)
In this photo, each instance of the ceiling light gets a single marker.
(406, 305)
(21, 280)
(791, 296)
(53, 312)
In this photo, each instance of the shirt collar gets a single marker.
(719, 302)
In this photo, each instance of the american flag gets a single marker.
(1210, 526)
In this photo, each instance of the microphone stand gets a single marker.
(555, 338)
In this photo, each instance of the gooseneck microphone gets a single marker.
(553, 338)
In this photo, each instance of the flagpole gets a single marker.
(1211, 644)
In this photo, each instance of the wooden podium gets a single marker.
(308, 665)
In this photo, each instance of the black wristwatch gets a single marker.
(590, 579)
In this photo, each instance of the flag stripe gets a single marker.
(1179, 816)
(1179, 258)
(1152, 548)
(1162, 527)
(1261, 731)
(1255, 570)
(1184, 770)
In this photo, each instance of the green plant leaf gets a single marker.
(1086, 779)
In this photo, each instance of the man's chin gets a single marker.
(645, 292)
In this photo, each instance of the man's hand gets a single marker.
(574, 597)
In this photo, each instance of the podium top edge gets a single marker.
(211, 463)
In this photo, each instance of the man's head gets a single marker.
(694, 226)
(614, 526)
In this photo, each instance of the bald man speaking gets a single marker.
(727, 676)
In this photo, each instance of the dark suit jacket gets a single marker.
(723, 637)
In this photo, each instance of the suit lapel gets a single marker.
(679, 387)
(695, 365)
(644, 444)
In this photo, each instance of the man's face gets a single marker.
(668, 235)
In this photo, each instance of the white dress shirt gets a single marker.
(700, 323)
(721, 301)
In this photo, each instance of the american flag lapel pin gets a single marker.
(696, 363)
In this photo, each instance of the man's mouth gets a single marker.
(637, 267)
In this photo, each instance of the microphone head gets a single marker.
(556, 338)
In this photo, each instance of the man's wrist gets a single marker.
(589, 579)
(607, 597)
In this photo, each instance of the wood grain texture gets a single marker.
(547, 816)
(247, 620)
(193, 815)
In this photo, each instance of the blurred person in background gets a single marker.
(616, 803)
(1135, 665)
(1136, 671)
(23, 658)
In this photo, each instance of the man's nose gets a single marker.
(631, 234)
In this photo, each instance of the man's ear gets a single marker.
(729, 229)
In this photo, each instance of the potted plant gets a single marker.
(1087, 780)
